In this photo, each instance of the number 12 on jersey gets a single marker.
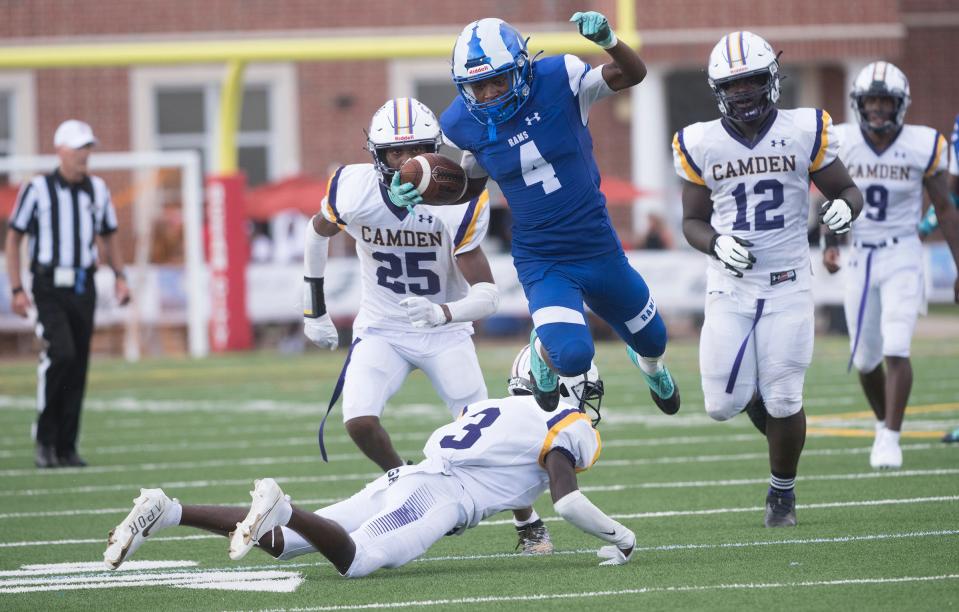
(761, 222)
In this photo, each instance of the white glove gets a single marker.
(614, 554)
(837, 215)
(732, 251)
(424, 313)
(321, 331)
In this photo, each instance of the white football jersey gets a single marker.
(497, 449)
(891, 181)
(403, 254)
(760, 192)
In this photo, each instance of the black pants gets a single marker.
(65, 323)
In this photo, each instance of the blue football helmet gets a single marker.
(487, 48)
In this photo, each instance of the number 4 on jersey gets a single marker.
(535, 168)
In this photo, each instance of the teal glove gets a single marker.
(929, 222)
(595, 27)
(404, 195)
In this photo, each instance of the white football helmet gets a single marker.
(880, 79)
(400, 122)
(584, 390)
(740, 56)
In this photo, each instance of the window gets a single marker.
(186, 118)
(179, 109)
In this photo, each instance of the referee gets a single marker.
(62, 212)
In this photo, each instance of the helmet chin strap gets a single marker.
(490, 128)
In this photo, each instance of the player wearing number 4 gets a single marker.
(891, 163)
(745, 202)
(499, 454)
(523, 123)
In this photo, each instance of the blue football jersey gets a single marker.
(542, 159)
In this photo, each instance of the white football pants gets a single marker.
(775, 359)
(392, 521)
(894, 299)
(382, 360)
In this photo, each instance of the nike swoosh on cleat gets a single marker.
(146, 530)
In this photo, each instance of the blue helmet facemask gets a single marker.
(486, 49)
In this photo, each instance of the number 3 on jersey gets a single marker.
(535, 169)
(472, 431)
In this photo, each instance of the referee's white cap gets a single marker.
(75, 134)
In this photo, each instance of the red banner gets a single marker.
(227, 252)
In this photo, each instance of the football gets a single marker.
(439, 179)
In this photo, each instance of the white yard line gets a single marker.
(619, 593)
(686, 484)
(408, 436)
(638, 515)
(138, 468)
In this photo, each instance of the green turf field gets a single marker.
(691, 489)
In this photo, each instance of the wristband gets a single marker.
(313, 304)
(712, 245)
(612, 40)
(16, 290)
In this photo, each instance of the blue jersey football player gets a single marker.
(930, 221)
(523, 123)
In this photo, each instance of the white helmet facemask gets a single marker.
(744, 58)
(881, 80)
(584, 391)
(401, 122)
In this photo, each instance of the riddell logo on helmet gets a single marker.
(479, 69)
(738, 69)
(401, 138)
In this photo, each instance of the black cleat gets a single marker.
(542, 377)
(662, 387)
(547, 400)
(670, 405)
(534, 539)
(780, 509)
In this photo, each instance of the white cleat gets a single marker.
(270, 509)
(149, 512)
(876, 444)
(886, 453)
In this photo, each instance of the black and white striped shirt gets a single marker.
(62, 219)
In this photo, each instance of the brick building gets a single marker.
(306, 117)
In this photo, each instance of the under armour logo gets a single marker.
(532, 118)
(426, 218)
(781, 142)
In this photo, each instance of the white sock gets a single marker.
(532, 519)
(650, 365)
(893, 435)
(880, 425)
